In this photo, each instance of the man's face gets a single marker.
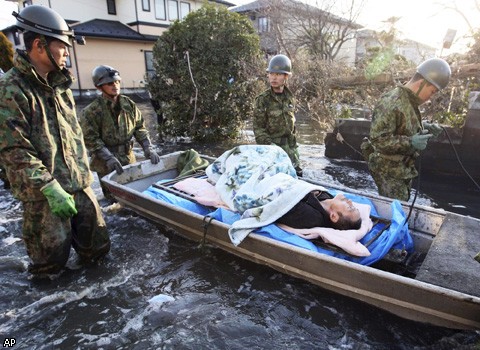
(427, 92)
(345, 206)
(59, 52)
(111, 89)
(277, 80)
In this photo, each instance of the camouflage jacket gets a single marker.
(274, 116)
(108, 124)
(40, 137)
(395, 119)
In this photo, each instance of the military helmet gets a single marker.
(436, 71)
(105, 74)
(43, 20)
(280, 64)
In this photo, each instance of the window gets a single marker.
(111, 8)
(146, 5)
(172, 10)
(263, 24)
(149, 64)
(160, 12)
(184, 9)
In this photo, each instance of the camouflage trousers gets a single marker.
(48, 238)
(391, 187)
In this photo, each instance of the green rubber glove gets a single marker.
(419, 141)
(61, 203)
(432, 128)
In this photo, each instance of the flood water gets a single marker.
(157, 290)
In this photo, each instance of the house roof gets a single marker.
(259, 5)
(251, 6)
(102, 28)
(221, 2)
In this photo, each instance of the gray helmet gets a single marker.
(45, 21)
(104, 75)
(436, 71)
(280, 64)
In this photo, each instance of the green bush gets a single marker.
(6, 58)
(206, 70)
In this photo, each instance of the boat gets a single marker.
(452, 153)
(443, 288)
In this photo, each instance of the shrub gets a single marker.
(206, 70)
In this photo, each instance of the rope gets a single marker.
(207, 220)
(416, 191)
(187, 54)
(458, 159)
(340, 139)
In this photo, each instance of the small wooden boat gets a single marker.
(442, 286)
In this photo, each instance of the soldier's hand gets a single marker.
(432, 128)
(61, 202)
(111, 162)
(114, 164)
(154, 157)
(419, 141)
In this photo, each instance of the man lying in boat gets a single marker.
(336, 220)
(260, 183)
(319, 215)
(250, 187)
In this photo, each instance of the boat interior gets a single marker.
(440, 238)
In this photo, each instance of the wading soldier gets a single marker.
(42, 148)
(109, 124)
(397, 133)
(274, 113)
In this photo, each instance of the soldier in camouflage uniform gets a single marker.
(274, 113)
(397, 133)
(109, 124)
(42, 149)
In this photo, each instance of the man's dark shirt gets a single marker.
(308, 212)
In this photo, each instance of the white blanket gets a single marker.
(260, 183)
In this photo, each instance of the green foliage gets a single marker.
(206, 68)
(449, 107)
(6, 58)
(379, 63)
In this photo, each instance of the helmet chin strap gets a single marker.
(420, 88)
(43, 41)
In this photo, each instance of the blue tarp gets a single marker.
(395, 237)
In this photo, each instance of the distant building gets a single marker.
(295, 16)
(352, 51)
(412, 50)
(118, 33)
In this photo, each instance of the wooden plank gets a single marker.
(449, 262)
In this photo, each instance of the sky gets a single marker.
(426, 21)
(6, 8)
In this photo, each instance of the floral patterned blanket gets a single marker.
(260, 183)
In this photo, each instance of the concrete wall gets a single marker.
(127, 57)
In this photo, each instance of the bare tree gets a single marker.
(320, 30)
